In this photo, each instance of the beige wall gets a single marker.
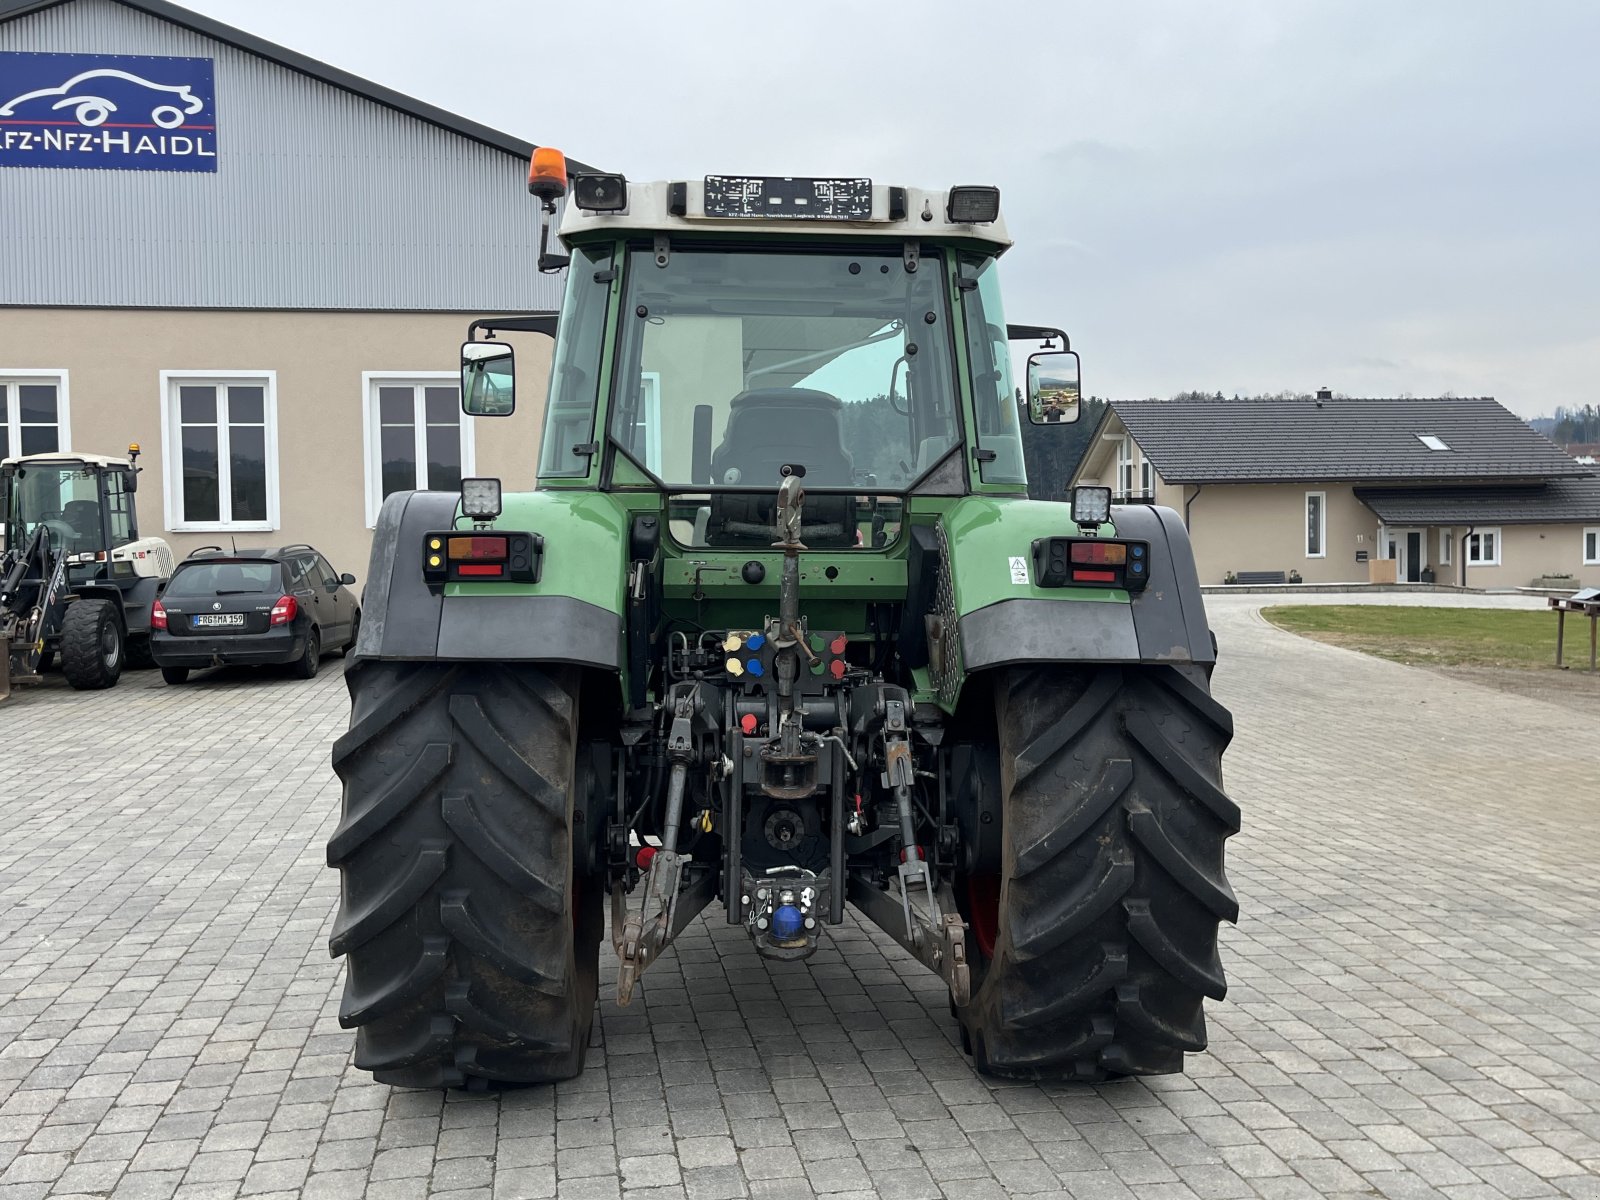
(1262, 527)
(1529, 551)
(113, 359)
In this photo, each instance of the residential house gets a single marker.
(1458, 490)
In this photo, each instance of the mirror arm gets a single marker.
(1037, 333)
(539, 322)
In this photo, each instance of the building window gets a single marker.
(1316, 524)
(1446, 545)
(1432, 442)
(1125, 466)
(417, 438)
(33, 413)
(1147, 478)
(1483, 548)
(1591, 547)
(221, 440)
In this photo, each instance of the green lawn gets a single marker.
(1450, 637)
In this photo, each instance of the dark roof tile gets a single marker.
(1264, 441)
(1561, 500)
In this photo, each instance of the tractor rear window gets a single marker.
(225, 578)
(733, 363)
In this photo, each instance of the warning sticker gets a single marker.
(1019, 571)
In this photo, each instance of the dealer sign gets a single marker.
(109, 111)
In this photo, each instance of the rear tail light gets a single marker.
(1091, 562)
(285, 610)
(480, 557)
(158, 616)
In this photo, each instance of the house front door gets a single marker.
(1414, 563)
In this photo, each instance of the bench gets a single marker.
(1260, 577)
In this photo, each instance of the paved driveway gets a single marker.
(1415, 1004)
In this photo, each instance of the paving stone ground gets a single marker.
(1415, 1003)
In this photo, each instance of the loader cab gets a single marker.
(84, 502)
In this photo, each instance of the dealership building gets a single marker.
(254, 265)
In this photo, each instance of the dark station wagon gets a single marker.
(252, 608)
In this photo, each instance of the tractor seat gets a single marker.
(768, 427)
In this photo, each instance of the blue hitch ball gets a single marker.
(787, 923)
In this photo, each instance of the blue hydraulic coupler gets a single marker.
(787, 923)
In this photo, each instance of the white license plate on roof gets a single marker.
(210, 620)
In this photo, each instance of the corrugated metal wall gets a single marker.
(321, 199)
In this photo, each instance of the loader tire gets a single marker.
(1103, 926)
(471, 943)
(93, 645)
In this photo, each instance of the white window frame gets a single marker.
(650, 414)
(56, 375)
(371, 381)
(1147, 477)
(172, 451)
(1591, 560)
(1447, 539)
(1125, 472)
(1322, 525)
(1475, 539)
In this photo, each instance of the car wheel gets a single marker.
(306, 666)
(175, 675)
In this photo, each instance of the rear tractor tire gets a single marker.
(1101, 927)
(471, 941)
(93, 644)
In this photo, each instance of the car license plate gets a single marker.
(210, 620)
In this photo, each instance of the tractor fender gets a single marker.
(1165, 623)
(402, 618)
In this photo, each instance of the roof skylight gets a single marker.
(1431, 442)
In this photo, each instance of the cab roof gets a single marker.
(649, 212)
(65, 457)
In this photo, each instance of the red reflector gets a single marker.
(285, 610)
(477, 547)
(1082, 576)
(158, 616)
(642, 859)
(480, 568)
(1099, 552)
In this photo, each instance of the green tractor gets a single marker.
(779, 628)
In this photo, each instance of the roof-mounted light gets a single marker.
(596, 192)
(972, 205)
(547, 174)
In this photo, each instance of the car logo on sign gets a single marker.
(216, 606)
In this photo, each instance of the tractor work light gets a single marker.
(1091, 562)
(970, 205)
(1091, 505)
(595, 192)
(547, 174)
(451, 557)
(480, 499)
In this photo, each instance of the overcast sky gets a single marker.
(1382, 198)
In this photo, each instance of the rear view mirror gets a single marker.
(488, 379)
(1054, 386)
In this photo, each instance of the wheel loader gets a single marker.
(778, 632)
(76, 579)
